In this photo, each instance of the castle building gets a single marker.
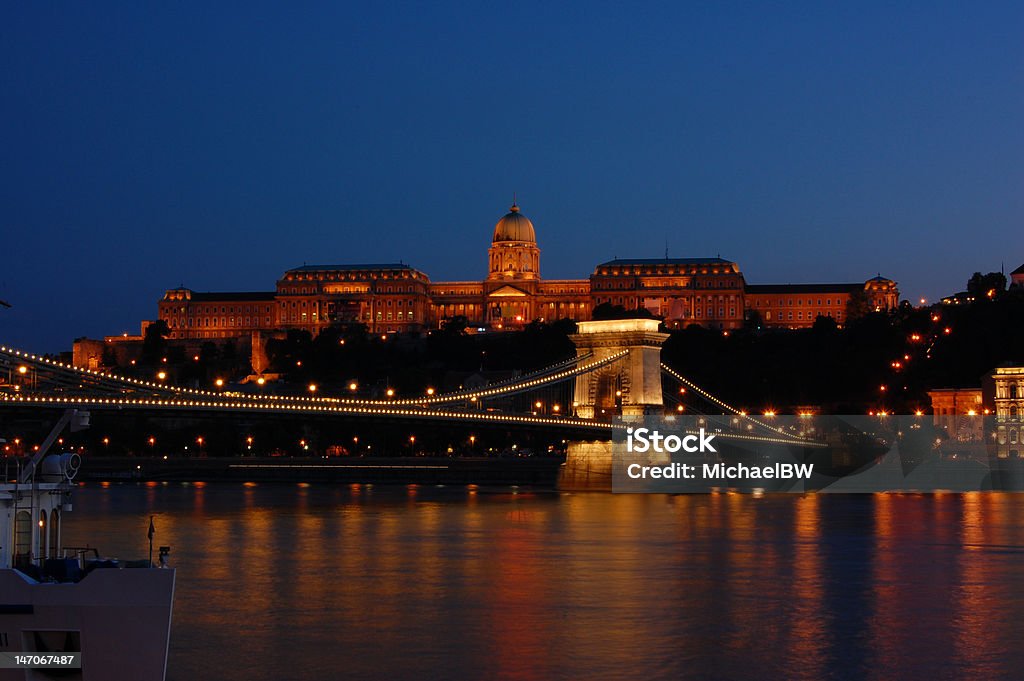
(397, 298)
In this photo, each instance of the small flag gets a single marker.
(152, 530)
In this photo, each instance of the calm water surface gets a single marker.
(345, 582)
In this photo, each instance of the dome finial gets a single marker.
(515, 207)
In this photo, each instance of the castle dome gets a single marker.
(514, 227)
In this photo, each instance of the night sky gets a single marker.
(146, 147)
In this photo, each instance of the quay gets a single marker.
(531, 471)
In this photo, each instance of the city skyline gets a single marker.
(809, 144)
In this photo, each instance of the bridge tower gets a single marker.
(634, 382)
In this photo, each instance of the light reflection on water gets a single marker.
(357, 581)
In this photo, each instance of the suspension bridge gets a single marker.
(617, 371)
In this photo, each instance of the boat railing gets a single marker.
(75, 563)
(80, 552)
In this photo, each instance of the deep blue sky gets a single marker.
(145, 147)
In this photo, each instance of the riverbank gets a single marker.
(540, 472)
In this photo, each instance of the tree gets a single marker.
(824, 325)
(155, 342)
(858, 305)
(986, 286)
(753, 321)
(456, 325)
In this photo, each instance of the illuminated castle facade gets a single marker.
(397, 298)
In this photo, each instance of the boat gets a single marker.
(68, 613)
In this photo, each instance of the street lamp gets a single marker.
(312, 388)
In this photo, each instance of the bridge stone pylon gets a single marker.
(637, 379)
(634, 381)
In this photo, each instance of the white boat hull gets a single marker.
(120, 617)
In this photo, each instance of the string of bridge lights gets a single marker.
(542, 377)
(519, 386)
(361, 410)
(737, 412)
(249, 406)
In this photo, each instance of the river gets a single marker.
(358, 581)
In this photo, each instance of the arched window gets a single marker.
(22, 538)
(54, 533)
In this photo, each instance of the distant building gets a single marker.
(191, 314)
(393, 298)
(1017, 277)
(960, 412)
(1009, 404)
